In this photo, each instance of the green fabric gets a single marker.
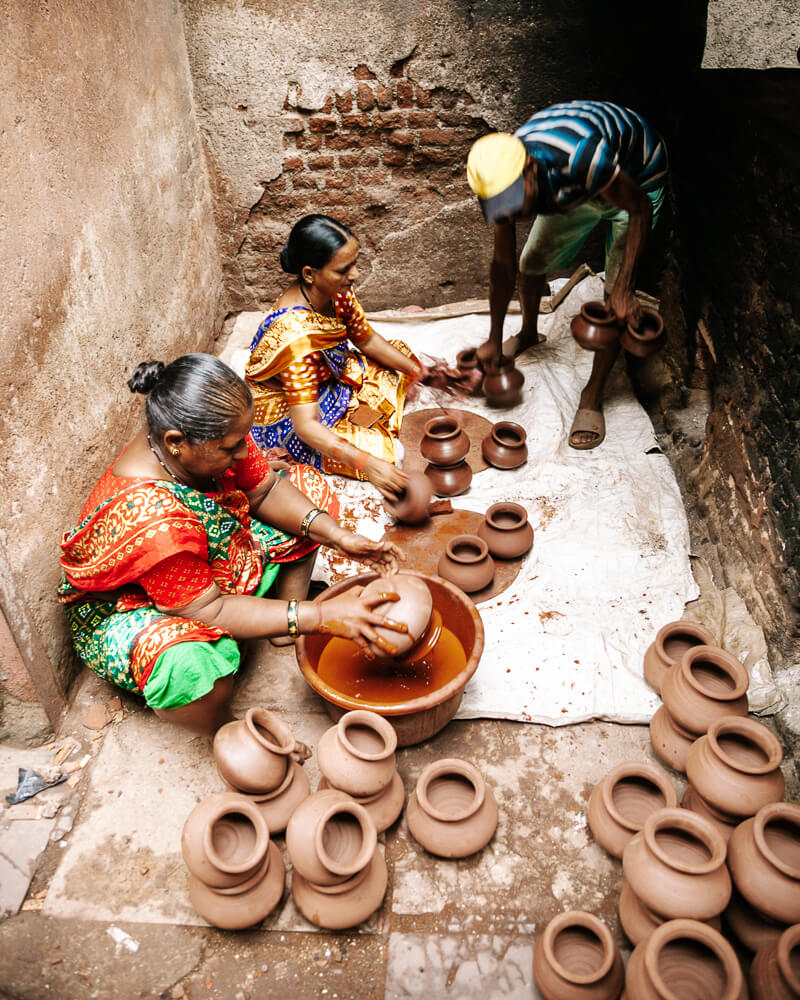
(188, 670)
(268, 577)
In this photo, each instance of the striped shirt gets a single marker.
(581, 146)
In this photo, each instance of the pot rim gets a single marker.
(646, 336)
(506, 507)
(688, 822)
(694, 930)
(440, 768)
(787, 942)
(579, 918)
(473, 541)
(287, 780)
(671, 629)
(373, 721)
(514, 429)
(787, 812)
(233, 802)
(757, 735)
(369, 837)
(435, 427)
(598, 312)
(725, 662)
(255, 717)
(635, 769)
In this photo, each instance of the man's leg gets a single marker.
(592, 396)
(531, 289)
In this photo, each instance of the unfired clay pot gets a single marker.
(449, 480)
(676, 865)
(254, 753)
(278, 805)
(775, 972)
(647, 337)
(505, 445)
(385, 806)
(412, 506)
(466, 563)
(413, 609)
(764, 861)
(704, 685)
(622, 801)
(576, 958)
(224, 840)
(502, 382)
(357, 754)
(506, 530)
(244, 905)
(684, 960)
(670, 741)
(595, 327)
(749, 926)
(330, 838)
(671, 642)
(638, 920)
(444, 441)
(693, 801)
(347, 904)
(452, 812)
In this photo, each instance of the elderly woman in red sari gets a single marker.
(327, 387)
(190, 542)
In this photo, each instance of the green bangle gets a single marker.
(305, 525)
(291, 615)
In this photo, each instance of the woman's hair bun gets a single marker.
(146, 376)
(286, 260)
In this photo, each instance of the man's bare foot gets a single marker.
(521, 342)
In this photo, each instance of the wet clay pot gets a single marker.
(622, 801)
(706, 684)
(684, 960)
(467, 361)
(775, 972)
(244, 905)
(413, 610)
(505, 446)
(412, 505)
(764, 861)
(452, 812)
(449, 480)
(749, 926)
(735, 767)
(506, 530)
(576, 958)
(676, 866)
(444, 441)
(595, 327)
(253, 754)
(385, 806)
(278, 805)
(671, 642)
(695, 802)
(224, 840)
(502, 382)
(347, 904)
(670, 741)
(330, 838)
(638, 920)
(646, 338)
(357, 755)
(466, 563)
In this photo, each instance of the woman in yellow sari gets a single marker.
(326, 386)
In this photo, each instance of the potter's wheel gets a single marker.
(475, 427)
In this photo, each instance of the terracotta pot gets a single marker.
(749, 926)
(449, 480)
(357, 754)
(735, 766)
(622, 801)
(330, 838)
(506, 530)
(576, 958)
(452, 812)
(505, 445)
(694, 802)
(344, 905)
(224, 840)
(278, 805)
(466, 563)
(385, 806)
(253, 754)
(670, 741)
(676, 866)
(444, 441)
(411, 506)
(467, 361)
(684, 960)
(245, 905)
(502, 382)
(646, 338)
(764, 861)
(671, 642)
(706, 684)
(638, 920)
(595, 327)
(413, 610)
(775, 972)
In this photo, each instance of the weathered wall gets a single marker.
(108, 254)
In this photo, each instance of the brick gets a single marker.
(341, 141)
(362, 72)
(365, 98)
(364, 158)
(293, 123)
(356, 121)
(298, 201)
(439, 136)
(422, 97)
(309, 141)
(401, 139)
(320, 162)
(384, 97)
(398, 69)
(390, 119)
(394, 158)
(293, 163)
(370, 177)
(320, 124)
(334, 181)
(344, 103)
(352, 196)
(421, 119)
(306, 181)
(439, 156)
(327, 107)
(405, 93)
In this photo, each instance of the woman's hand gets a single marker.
(350, 616)
(385, 477)
(383, 556)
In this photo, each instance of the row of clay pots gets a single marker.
(596, 328)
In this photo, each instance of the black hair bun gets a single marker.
(146, 376)
(287, 263)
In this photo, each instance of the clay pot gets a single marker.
(411, 506)
(224, 840)
(764, 861)
(646, 338)
(705, 685)
(506, 531)
(505, 445)
(449, 480)
(671, 642)
(595, 327)
(413, 609)
(749, 926)
(684, 960)
(695, 803)
(775, 972)
(444, 441)
(253, 754)
(622, 801)
(347, 904)
(278, 805)
(576, 957)
(638, 921)
(676, 865)
(735, 767)
(330, 838)
(357, 754)
(466, 563)
(452, 812)
(670, 741)
(502, 382)
(384, 807)
(246, 904)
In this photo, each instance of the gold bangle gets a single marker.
(291, 617)
(305, 525)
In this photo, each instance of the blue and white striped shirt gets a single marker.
(581, 146)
